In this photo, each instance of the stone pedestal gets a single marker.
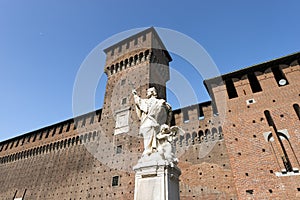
(156, 180)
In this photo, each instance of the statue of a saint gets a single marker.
(155, 115)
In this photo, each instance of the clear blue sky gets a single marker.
(43, 43)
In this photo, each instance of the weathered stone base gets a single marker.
(156, 180)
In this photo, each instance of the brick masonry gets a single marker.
(228, 151)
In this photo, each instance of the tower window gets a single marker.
(279, 77)
(254, 83)
(124, 100)
(123, 81)
(119, 149)
(297, 110)
(231, 91)
(115, 181)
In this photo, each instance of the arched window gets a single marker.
(112, 69)
(214, 133)
(181, 138)
(207, 134)
(220, 132)
(200, 136)
(89, 137)
(94, 135)
(194, 137)
(187, 138)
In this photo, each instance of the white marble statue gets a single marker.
(155, 115)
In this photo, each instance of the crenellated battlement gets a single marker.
(196, 120)
(144, 47)
(136, 58)
(71, 128)
(53, 146)
(252, 80)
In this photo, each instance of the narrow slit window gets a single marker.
(61, 129)
(47, 134)
(269, 118)
(297, 110)
(54, 130)
(41, 136)
(34, 138)
(68, 128)
(231, 91)
(254, 83)
(99, 112)
(23, 141)
(17, 144)
(92, 119)
(12, 144)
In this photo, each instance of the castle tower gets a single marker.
(138, 62)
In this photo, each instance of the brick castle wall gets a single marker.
(232, 148)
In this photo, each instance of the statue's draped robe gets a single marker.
(153, 113)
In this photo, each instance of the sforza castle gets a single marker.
(243, 144)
